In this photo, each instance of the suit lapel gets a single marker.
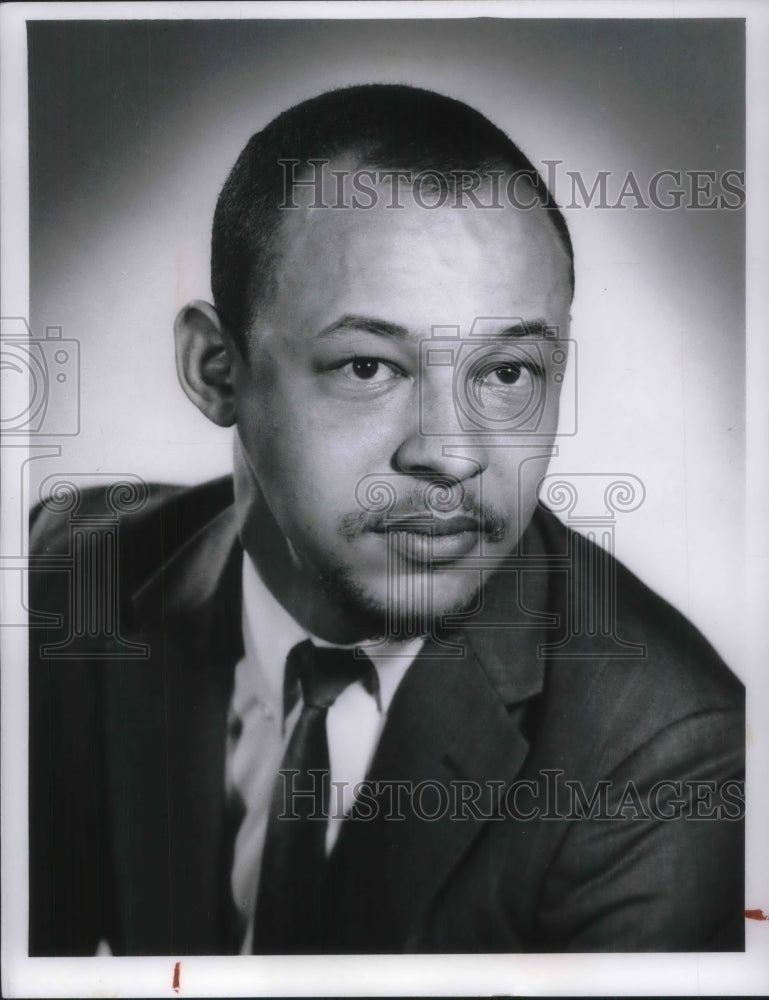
(167, 718)
(455, 723)
(385, 871)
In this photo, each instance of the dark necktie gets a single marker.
(289, 903)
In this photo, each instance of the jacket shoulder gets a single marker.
(650, 652)
(152, 523)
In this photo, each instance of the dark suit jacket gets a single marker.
(128, 839)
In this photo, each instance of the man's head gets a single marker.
(389, 127)
(385, 337)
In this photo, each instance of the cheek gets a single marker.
(531, 474)
(304, 471)
(513, 486)
(293, 437)
(271, 422)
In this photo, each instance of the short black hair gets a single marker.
(390, 126)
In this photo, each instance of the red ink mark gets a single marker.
(756, 915)
(175, 983)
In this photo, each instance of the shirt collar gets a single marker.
(270, 632)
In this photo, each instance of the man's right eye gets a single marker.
(366, 368)
(369, 370)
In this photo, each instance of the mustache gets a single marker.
(430, 505)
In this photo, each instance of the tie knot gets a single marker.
(323, 673)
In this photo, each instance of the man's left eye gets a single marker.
(507, 374)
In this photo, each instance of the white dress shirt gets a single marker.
(258, 735)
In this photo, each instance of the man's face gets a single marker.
(391, 452)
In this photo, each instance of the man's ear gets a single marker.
(204, 361)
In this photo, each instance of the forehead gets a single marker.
(415, 266)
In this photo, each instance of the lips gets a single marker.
(437, 526)
(424, 539)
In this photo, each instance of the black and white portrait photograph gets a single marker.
(384, 537)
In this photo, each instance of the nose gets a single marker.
(435, 444)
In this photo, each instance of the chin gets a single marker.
(413, 604)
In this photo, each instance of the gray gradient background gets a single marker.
(133, 127)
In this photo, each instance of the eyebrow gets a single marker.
(367, 324)
(382, 328)
(527, 328)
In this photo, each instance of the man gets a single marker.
(392, 284)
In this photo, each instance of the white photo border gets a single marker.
(566, 975)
